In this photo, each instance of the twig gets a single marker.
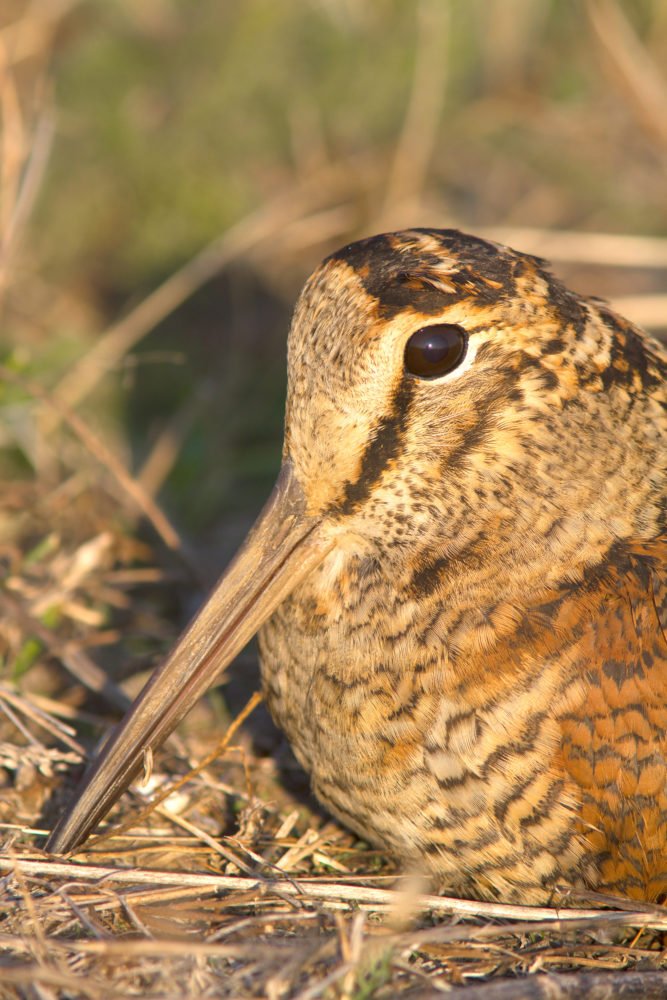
(96, 447)
(23, 158)
(645, 310)
(41, 718)
(31, 909)
(70, 984)
(75, 661)
(205, 838)
(317, 890)
(220, 748)
(40, 149)
(630, 984)
(143, 946)
(414, 148)
(167, 448)
(635, 71)
(570, 920)
(600, 249)
(31, 34)
(318, 988)
(236, 241)
(16, 722)
(12, 152)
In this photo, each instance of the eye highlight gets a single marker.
(435, 350)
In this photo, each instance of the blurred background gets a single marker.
(172, 171)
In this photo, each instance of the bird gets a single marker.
(459, 578)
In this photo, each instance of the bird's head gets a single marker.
(448, 399)
(450, 404)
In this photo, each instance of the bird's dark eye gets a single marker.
(435, 350)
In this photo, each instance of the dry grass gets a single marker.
(228, 884)
(219, 876)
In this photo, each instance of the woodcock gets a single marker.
(459, 577)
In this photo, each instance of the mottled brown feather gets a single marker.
(615, 743)
(475, 677)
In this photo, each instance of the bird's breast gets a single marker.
(458, 767)
(334, 658)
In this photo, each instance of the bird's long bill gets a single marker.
(282, 547)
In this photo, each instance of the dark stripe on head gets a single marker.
(383, 447)
(402, 271)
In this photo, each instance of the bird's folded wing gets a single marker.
(615, 744)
